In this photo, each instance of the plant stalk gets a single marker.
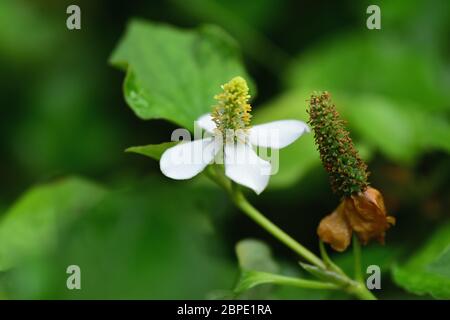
(242, 203)
(355, 288)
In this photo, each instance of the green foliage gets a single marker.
(153, 151)
(251, 279)
(65, 125)
(17, 18)
(151, 238)
(374, 63)
(30, 227)
(394, 97)
(255, 255)
(259, 268)
(442, 264)
(174, 74)
(427, 271)
(166, 248)
(401, 133)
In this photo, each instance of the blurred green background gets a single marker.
(70, 195)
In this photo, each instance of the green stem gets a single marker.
(361, 292)
(355, 288)
(301, 283)
(330, 264)
(242, 203)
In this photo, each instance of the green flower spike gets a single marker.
(348, 173)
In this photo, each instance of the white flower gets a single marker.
(242, 164)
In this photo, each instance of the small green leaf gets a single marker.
(253, 254)
(153, 151)
(258, 267)
(174, 74)
(250, 279)
(427, 271)
(30, 226)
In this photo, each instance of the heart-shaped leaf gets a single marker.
(173, 74)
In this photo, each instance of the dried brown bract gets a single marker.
(363, 213)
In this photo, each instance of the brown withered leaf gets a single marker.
(363, 213)
(367, 216)
(335, 230)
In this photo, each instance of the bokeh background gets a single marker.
(69, 194)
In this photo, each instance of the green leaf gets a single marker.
(152, 240)
(394, 101)
(174, 74)
(251, 279)
(372, 64)
(30, 226)
(258, 267)
(153, 151)
(254, 254)
(297, 293)
(426, 272)
(441, 265)
(398, 128)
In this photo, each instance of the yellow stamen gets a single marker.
(232, 110)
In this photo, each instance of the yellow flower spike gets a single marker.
(232, 110)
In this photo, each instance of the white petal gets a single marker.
(186, 160)
(205, 122)
(242, 165)
(277, 134)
